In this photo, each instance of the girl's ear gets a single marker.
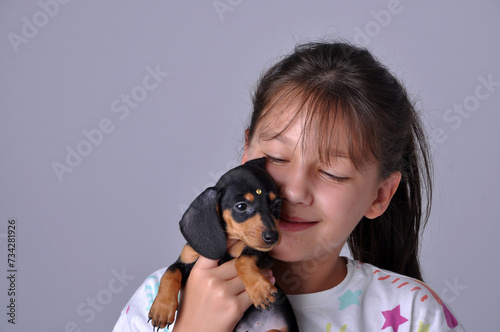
(385, 192)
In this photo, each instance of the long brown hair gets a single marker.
(334, 81)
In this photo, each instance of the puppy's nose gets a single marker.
(270, 236)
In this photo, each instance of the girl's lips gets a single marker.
(292, 224)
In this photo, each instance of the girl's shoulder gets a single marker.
(399, 297)
(370, 298)
(383, 283)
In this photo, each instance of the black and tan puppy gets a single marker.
(244, 206)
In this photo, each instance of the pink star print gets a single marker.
(393, 319)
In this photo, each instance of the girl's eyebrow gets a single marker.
(283, 139)
(339, 154)
(334, 152)
(274, 136)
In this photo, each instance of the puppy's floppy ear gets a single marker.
(202, 227)
(260, 162)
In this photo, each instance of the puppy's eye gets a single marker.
(242, 207)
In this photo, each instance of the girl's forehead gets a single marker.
(294, 126)
(322, 131)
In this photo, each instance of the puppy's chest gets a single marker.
(233, 252)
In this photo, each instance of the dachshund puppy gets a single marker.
(244, 206)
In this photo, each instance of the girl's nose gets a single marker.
(295, 187)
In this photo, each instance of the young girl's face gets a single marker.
(322, 204)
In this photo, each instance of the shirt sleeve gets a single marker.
(436, 313)
(407, 304)
(134, 316)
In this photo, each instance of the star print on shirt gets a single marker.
(348, 298)
(393, 319)
(342, 329)
(423, 327)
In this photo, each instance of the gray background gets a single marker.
(65, 67)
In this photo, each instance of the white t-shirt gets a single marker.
(368, 299)
(372, 299)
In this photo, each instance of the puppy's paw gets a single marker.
(262, 293)
(162, 314)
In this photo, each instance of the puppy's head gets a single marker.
(250, 206)
(243, 205)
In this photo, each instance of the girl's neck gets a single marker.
(309, 276)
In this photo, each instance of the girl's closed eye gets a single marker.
(275, 160)
(332, 177)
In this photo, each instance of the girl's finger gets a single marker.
(225, 271)
(206, 263)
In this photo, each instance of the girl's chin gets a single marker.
(295, 240)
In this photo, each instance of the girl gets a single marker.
(348, 152)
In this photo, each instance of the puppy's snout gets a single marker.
(270, 236)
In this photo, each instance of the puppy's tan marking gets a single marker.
(188, 255)
(249, 231)
(165, 304)
(259, 288)
(236, 249)
(272, 196)
(249, 197)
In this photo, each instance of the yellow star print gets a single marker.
(329, 328)
(423, 327)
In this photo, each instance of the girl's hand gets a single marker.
(214, 298)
